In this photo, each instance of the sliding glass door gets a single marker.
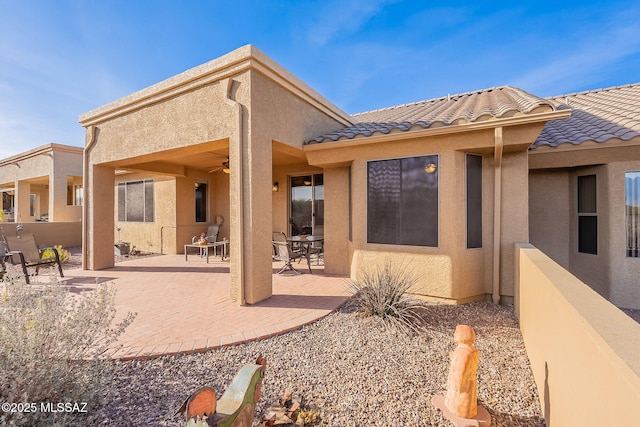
(307, 205)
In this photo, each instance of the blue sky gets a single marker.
(60, 59)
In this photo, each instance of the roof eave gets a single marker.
(443, 130)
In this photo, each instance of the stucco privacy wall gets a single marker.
(67, 234)
(583, 350)
(450, 271)
(243, 98)
(43, 171)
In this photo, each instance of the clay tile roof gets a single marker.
(597, 115)
(505, 101)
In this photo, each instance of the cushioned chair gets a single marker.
(23, 250)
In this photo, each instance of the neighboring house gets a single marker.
(43, 184)
(584, 191)
(441, 186)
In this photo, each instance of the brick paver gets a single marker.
(184, 306)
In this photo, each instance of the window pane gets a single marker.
(148, 201)
(632, 213)
(383, 202)
(419, 206)
(402, 203)
(135, 201)
(587, 194)
(474, 200)
(588, 234)
(122, 204)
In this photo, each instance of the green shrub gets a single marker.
(55, 347)
(383, 292)
(62, 253)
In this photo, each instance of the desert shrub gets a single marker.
(383, 292)
(62, 253)
(54, 347)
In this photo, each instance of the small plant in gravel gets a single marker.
(54, 348)
(62, 253)
(383, 292)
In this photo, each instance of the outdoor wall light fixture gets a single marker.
(275, 187)
(430, 168)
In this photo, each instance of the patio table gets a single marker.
(204, 249)
(305, 242)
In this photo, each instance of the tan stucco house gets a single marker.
(43, 184)
(440, 185)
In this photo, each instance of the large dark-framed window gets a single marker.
(403, 201)
(473, 200)
(632, 213)
(136, 201)
(587, 215)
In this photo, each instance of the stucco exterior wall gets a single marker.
(582, 349)
(550, 214)
(146, 236)
(624, 290)
(450, 271)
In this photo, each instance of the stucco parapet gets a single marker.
(42, 150)
(238, 61)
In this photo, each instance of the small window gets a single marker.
(402, 201)
(33, 199)
(474, 200)
(78, 195)
(201, 202)
(587, 215)
(632, 212)
(136, 201)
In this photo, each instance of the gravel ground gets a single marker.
(352, 369)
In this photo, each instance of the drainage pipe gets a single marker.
(497, 206)
(237, 174)
(85, 206)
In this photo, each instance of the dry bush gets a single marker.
(383, 292)
(54, 347)
(62, 253)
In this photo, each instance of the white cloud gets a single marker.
(582, 63)
(342, 18)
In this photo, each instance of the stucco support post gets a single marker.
(99, 208)
(497, 219)
(336, 213)
(22, 201)
(250, 210)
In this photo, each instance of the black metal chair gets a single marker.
(23, 250)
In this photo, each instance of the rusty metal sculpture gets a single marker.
(236, 406)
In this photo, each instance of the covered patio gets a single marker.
(185, 306)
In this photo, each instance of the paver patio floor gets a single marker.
(185, 306)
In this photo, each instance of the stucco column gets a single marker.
(99, 220)
(251, 223)
(515, 218)
(22, 202)
(336, 214)
(250, 206)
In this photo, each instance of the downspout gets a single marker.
(238, 176)
(497, 205)
(85, 205)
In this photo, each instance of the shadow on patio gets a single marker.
(185, 306)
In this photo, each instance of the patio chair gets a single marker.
(22, 249)
(285, 253)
